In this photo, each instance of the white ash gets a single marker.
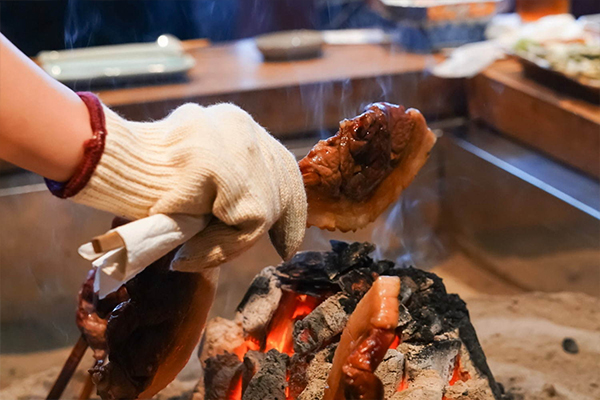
(473, 389)
(220, 335)
(322, 324)
(426, 385)
(404, 317)
(317, 373)
(258, 309)
(390, 371)
(407, 288)
(436, 356)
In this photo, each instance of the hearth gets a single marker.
(296, 317)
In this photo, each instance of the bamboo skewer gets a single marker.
(68, 369)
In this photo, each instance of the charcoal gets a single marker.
(438, 356)
(259, 303)
(357, 282)
(433, 326)
(317, 373)
(252, 362)
(269, 382)
(390, 371)
(407, 288)
(323, 324)
(219, 374)
(315, 273)
(356, 255)
(298, 374)
(404, 317)
(305, 273)
(220, 335)
(426, 385)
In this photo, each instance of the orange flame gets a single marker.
(403, 385)
(236, 392)
(292, 307)
(249, 344)
(396, 342)
(458, 374)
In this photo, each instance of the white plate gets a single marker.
(163, 57)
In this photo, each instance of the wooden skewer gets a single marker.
(68, 369)
(88, 386)
(108, 241)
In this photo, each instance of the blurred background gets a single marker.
(74, 23)
(507, 209)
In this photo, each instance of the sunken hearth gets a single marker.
(293, 319)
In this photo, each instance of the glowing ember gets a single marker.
(395, 343)
(249, 344)
(292, 307)
(403, 385)
(458, 374)
(236, 392)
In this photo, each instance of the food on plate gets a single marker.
(578, 61)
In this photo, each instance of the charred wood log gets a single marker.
(253, 360)
(219, 374)
(269, 382)
(324, 323)
(259, 304)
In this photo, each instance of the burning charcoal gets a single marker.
(259, 303)
(357, 282)
(438, 351)
(219, 374)
(304, 265)
(382, 267)
(390, 371)
(404, 317)
(305, 273)
(220, 336)
(269, 382)
(570, 346)
(298, 376)
(407, 289)
(475, 389)
(323, 323)
(433, 310)
(427, 384)
(355, 255)
(438, 356)
(252, 363)
(316, 374)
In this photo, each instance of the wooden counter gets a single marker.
(563, 127)
(291, 98)
(299, 96)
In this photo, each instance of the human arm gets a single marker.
(43, 124)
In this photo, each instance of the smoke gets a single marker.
(80, 24)
(407, 233)
(315, 98)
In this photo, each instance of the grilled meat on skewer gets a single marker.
(352, 177)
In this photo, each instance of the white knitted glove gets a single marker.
(204, 162)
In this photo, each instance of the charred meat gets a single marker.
(352, 177)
